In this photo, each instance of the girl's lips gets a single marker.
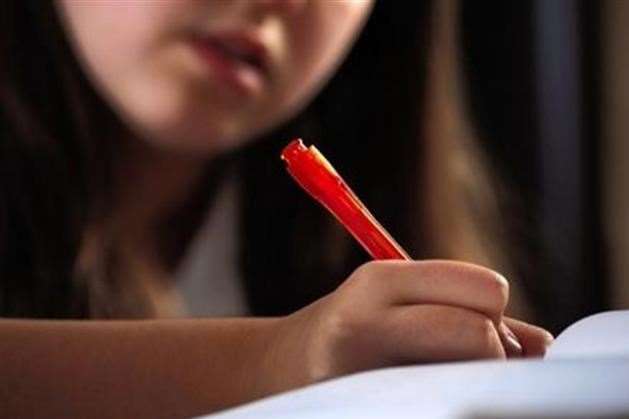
(237, 58)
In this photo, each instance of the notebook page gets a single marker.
(525, 388)
(601, 335)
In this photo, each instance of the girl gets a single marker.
(121, 119)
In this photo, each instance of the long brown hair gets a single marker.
(56, 154)
(50, 149)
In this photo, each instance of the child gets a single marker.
(119, 118)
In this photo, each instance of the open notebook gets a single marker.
(585, 374)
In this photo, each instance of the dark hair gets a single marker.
(48, 149)
(56, 156)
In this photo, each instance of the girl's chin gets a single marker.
(205, 144)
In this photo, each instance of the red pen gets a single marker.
(317, 176)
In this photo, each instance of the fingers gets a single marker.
(534, 340)
(440, 333)
(434, 282)
(435, 311)
(510, 341)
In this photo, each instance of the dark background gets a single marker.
(533, 72)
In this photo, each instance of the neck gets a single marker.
(149, 187)
(151, 184)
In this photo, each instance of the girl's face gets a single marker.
(204, 75)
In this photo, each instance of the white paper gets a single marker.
(601, 335)
(586, 375)
(561, 388)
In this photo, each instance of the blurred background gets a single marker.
(540, 88)
(544, 85)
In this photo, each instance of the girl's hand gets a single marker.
(394, 313)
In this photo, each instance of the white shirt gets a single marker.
(208, 278)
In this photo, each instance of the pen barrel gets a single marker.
(317, 177)
(361, 224)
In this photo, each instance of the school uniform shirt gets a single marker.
(207, 278)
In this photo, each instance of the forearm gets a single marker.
(150, 368)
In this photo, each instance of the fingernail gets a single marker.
(515, 343)
(512, 344)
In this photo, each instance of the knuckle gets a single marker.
(496, 286)
(365, 276)
(367, 269)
